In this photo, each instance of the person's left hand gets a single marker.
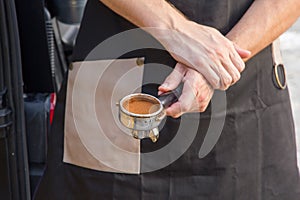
(196, 93)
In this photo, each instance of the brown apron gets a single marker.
(254, 158)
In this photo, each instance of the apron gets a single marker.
(254, 157)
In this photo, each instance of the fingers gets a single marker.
(242, 52)
(227, 73)
(195, 97)
(239, 65)
(233, 72)
(228, 64)
(222, 66)
(205, 50)
(233, 65)
(236, 59)
(212, 73)
(186, 102)
(173, 80)
(225, 68)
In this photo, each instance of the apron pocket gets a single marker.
(94, 137)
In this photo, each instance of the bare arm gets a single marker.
(145, 13)
(264, 21)
(199, 47)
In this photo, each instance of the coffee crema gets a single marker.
(141, 106)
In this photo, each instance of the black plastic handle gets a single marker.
(168, 98)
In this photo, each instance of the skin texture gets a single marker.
(196, 93)
(207, 60)
(266, 20)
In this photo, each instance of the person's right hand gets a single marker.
(206, 50)
(196, 93)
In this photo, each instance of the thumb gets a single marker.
(173, 80)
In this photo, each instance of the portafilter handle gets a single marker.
(168, 98)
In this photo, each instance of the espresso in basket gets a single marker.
(141, 106)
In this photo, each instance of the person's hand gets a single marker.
(196, 93)
(206, 50)
(197, 46)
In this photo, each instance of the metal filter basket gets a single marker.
(145, 125)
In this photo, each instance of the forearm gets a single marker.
(199, 47)
(264, 21)
(145, 13)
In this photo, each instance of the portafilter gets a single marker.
(143, 113)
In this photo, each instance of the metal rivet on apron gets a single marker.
(140, 61)
(71, 66)
(280, 76)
